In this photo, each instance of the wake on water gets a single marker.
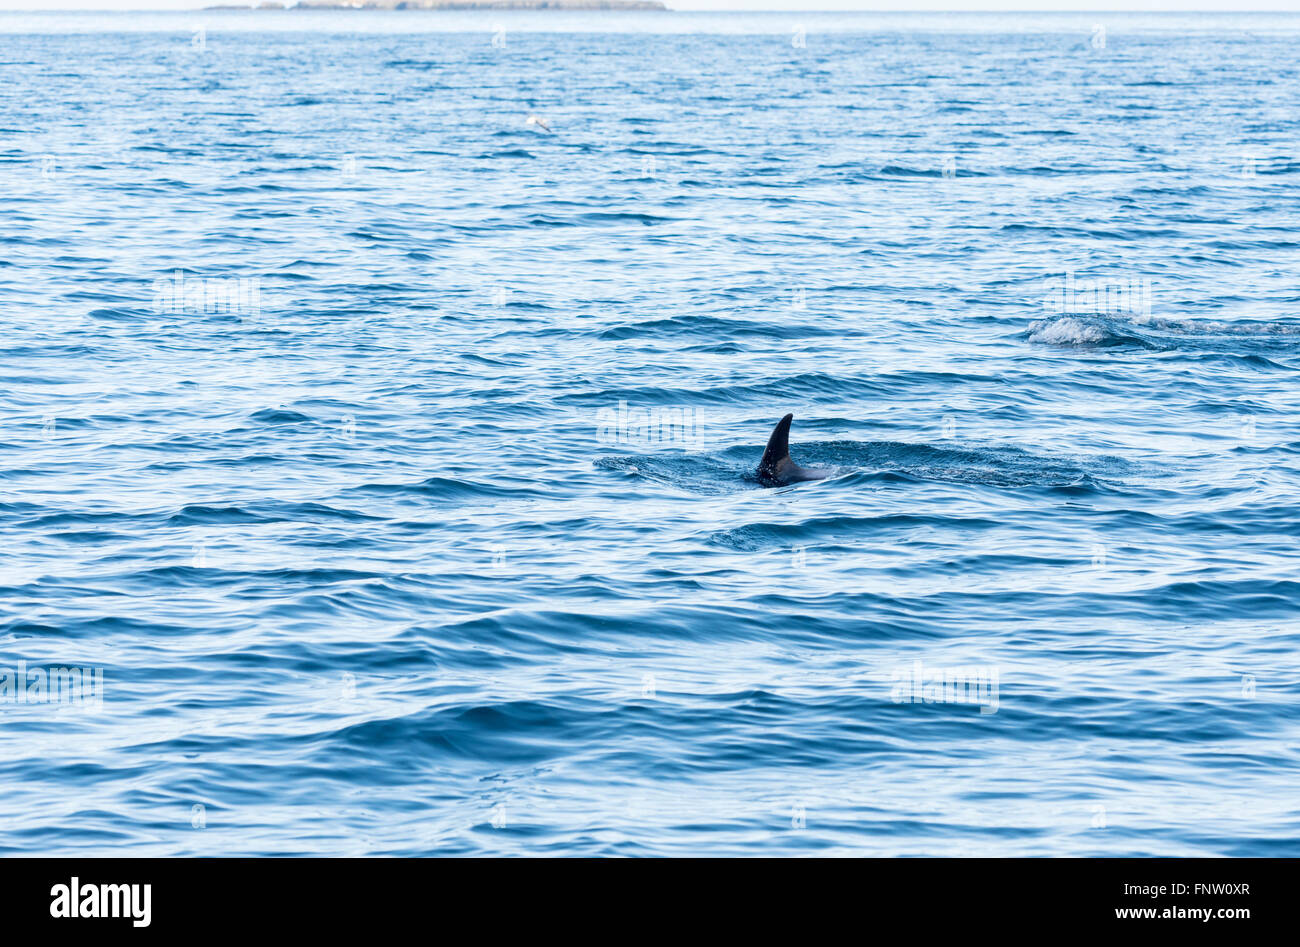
(856, 462)
(1162, 334)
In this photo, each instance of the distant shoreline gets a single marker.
(653, 5)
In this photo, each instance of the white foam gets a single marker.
(1065, 330)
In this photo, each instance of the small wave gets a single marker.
(1065, 331)
(827, 530)
(209, 515)
(1160, 333)
(448, 488)
(704, 474)
(598, 217)
(714, 328)
(278, 416)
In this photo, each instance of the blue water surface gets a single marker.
(436, 531)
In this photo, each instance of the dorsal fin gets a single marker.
(778, 447)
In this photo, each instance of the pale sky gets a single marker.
(803, 6)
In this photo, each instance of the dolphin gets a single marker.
(776, 468)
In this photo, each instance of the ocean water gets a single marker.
(385, 461)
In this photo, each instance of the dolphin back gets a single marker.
(777, 468)
(770, 468)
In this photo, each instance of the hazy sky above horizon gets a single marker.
(1070, 6)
